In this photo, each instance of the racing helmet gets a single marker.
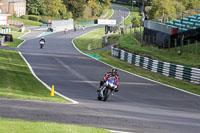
(113, 71)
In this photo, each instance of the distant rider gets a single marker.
(107, 75)
(65, 31)
(42, 39)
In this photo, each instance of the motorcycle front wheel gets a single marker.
(107, 93)
(99, 97)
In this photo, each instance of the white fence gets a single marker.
(60, 25)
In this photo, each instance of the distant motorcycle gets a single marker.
(106, 90)
(65, 31)
(42, 44)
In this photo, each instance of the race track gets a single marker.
(141, 105)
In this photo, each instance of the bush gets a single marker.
(15, 14)
(46, 18)
(25, 17)
(113, 38)
(34, 18)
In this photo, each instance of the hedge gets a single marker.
(33, 17)
(25, 17)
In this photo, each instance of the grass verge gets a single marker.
(16, 79)
(21, 126)
(91, 41)
(188, 58)
(110, 12)
(18, 82)
(16, 41)
(107, 58)
(26, 22)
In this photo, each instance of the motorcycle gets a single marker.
(106, 90)
(41, 44)
(65, 31)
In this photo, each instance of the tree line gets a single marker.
(161, 8)
(65, 9)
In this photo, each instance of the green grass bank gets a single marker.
(16, 41)
(18, 82)
(26, 22)
(188, 57)
(21, 126)
(90, 41)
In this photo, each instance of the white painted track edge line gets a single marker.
(112, 13)
(127, 16)
(115, 131)
(35, 101)
(22, 39)
(48, 87)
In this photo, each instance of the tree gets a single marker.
(57, 8)
(193, 4)
(190, 4)
(36, 7)
(77, 7)
(178, 6)
(135, 22)
(184, 2)
(94, 6)
(161, 8)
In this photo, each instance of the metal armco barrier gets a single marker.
(168, 69)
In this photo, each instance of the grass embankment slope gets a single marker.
(110, 12)
(20, 126)
(188, 57)
(93, 40)
(26, 22)
(16, 41)
(18, 82)
(82, 44)
(16, 79)
(15, 33)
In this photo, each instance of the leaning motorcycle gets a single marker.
(106, 90)
(41, 44)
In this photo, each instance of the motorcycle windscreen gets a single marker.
(112, 81)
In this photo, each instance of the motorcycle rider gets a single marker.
(42, 39)
(107, 75)
(65, 31)
(42, 42)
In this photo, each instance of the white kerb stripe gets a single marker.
(129, 58)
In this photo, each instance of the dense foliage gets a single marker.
(98, 6)
(66, 8)
(167, 7)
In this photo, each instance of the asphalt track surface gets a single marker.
(141, 105)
